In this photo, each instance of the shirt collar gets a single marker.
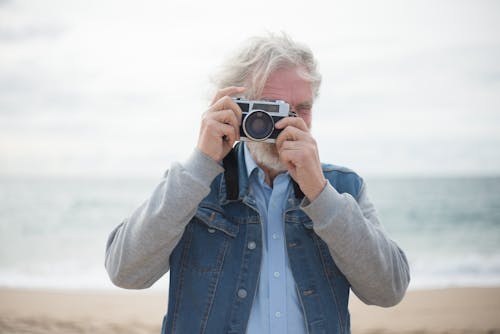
(249, 162)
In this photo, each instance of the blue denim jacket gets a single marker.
(214, 269)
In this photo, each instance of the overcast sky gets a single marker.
(118, 87)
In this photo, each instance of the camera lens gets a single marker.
(258, 125)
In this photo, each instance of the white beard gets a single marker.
(266, 155)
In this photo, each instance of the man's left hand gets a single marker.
(299, 153)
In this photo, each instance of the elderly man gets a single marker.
(259, 237)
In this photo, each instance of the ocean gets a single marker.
(53, 230)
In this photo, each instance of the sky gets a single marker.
(117, 88)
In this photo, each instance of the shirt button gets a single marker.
(275, 236)
(277, 314)
(251, 245)
(276, 274)
(242, 293)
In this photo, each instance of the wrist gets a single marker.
(315, 190)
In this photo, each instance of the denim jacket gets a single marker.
(214, 270)
(207, 232)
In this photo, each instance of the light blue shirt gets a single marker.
(276, 307)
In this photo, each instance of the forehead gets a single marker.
(287, 84)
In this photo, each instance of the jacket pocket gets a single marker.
(208, 237)
(215, 220)
(299, 217)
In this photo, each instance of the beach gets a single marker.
(53, 243)
(451, 311)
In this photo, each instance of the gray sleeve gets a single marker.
(138, 250)
(374, 265)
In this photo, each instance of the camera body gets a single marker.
(258, 119)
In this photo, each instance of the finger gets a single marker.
(215, 129)
(227, 103)
(286, 159)
(292, 121)
(227, 133)
(289, 145)
(225, 116)
(290, 150)
(290, 133)
(227, 92)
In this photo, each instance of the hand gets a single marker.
(299, 153)
(220, 124)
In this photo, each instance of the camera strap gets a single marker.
(230, 164)
(296, 189)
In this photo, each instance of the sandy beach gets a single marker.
(457, 310)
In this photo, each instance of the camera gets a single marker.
(258, 118)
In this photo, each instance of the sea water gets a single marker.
(53, 230)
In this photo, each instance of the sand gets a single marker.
(458, 310)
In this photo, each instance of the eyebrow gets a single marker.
(307, 104)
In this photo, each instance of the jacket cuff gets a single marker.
(202, 168)
(323, 207)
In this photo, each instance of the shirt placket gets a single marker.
(277, 258)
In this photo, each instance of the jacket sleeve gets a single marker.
(138, 250)
(375, 266)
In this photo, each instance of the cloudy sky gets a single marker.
(118, 87)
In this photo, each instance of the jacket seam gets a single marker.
(181, 281)
(213, 286)
(331, 285)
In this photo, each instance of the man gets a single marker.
(262, 237)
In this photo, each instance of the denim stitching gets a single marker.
(213, 286)
(175, 313)
(331, 284)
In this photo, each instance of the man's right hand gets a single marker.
(220, 124)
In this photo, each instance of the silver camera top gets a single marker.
(277, 107)
(259, 117)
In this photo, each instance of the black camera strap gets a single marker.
(296, 189)
(230, 164)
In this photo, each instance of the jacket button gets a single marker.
(242, 293)
(211, 230)
(251, 245)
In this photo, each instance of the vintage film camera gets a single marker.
(257, 122)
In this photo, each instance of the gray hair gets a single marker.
(259, 57)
